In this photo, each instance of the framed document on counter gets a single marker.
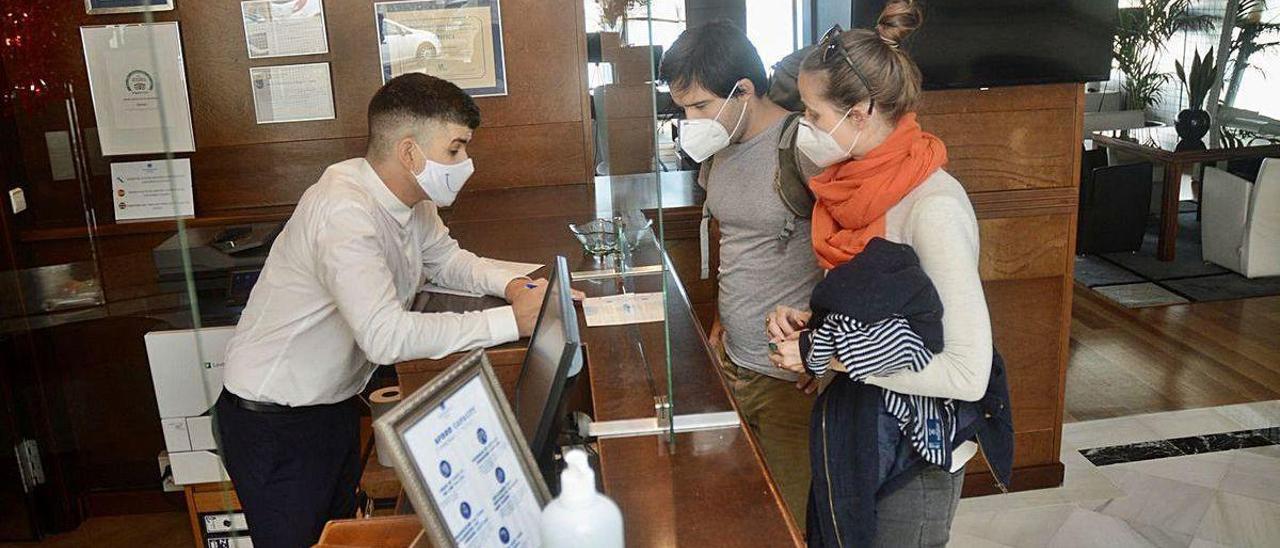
(138, 82)
(461, 43)
(97, 7)
(463, 462)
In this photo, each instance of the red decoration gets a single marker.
(30, 38)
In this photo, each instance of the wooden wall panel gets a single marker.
(1016, 150)
(1039, 251)
(541, 60)
(535, 135)
(999, 99)
(1026, 320)
(506, 157)
(1007, 138)
(1008, 150)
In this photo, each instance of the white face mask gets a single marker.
(819, 146)
(442, 182)
(706, 136)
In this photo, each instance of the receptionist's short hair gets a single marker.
(412, 100)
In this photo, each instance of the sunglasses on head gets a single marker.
(831, 45)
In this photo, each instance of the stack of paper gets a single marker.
(623, 309)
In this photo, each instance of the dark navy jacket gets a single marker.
(857, 452)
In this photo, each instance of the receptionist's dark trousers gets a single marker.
(293, 471)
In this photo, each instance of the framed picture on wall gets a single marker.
(98, 7)
(460, 42)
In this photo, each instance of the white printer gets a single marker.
(188, 379)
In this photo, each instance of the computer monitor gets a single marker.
(554, 356)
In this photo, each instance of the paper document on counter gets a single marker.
(516, 270)
(623, 309)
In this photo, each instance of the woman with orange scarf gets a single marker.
(884, 178)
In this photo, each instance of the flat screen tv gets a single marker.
(979, 43)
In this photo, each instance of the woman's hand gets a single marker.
(784, 321)
(785, 354)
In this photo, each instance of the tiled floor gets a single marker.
(1223, 498)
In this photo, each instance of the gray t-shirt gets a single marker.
(761, 264)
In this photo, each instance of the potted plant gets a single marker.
(613, 13)
(1141, 34)
(1251, 40)
(1193, 121)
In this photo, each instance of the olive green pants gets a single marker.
(778, 415)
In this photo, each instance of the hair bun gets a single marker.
(898, 20)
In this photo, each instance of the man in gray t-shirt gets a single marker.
(766, 257)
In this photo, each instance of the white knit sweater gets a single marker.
(937, 220)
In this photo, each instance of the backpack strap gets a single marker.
(790, 182)
(704, 227)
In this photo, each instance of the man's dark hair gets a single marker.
(715, 56)
(408, 101)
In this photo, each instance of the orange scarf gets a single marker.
(854, 196)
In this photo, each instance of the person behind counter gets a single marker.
(744, 142)
(332, 303)
(884, 179)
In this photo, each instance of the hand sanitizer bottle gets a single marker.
(581, 517)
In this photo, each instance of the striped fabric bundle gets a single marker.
(881, 349)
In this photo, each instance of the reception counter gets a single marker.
(708, 487)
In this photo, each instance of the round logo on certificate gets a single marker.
(482, 436)
(445, 469)
(504, 535)
(138, 81)
(466, 511)
(501, 474)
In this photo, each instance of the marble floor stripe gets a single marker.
(1176, 447)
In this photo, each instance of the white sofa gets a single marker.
(1240, 220)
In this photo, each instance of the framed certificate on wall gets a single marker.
(138, 83)
(460, 42)
(97, 7)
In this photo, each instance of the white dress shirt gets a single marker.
(332, 300)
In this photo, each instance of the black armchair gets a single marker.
(1113, 209)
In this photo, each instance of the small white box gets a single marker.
(18, 200)
(201, 431)
(197, 467)
(176, 437)
(229, 542)
(233, 522)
